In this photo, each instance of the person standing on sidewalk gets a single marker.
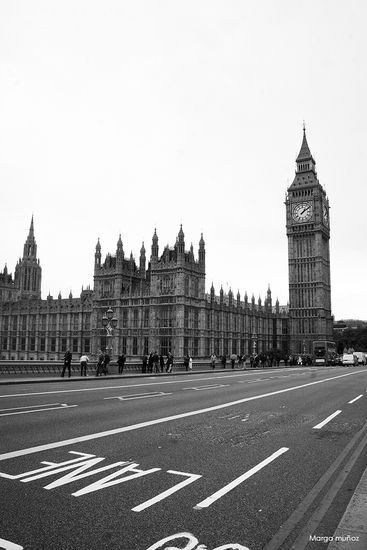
(84, 360)
(100, 363)
(121, 362)
(212, 360)
(67, 363)
(106, 362)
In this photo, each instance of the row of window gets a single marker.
(29, 322)
(42, 344)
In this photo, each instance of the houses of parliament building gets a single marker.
(161, 303)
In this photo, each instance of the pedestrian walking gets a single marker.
(156, 362)
(150, 362)
(190, 363)
(121, 360)
(186, 362)
(106, 362)
(233, 360)
(169, 364)
(84, 360)
(224, 361)
(212, 360)
(100, 361)
(144, 364)
(161, 362)
(67, 363)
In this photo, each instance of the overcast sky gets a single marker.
(122, 116)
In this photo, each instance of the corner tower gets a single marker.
(308, 232)
(28, 270)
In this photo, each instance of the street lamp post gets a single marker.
(109, 322)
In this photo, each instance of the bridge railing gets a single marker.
(44, 368)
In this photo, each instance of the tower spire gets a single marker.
(305, 161)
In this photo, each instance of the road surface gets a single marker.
(229, 460)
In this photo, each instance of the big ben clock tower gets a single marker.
(308, 231)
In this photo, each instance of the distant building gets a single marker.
(160, 305)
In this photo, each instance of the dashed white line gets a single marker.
(138, 396)
(355, 399)
(318, 426)
(211, 387)
(215, 496)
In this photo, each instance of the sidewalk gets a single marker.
(40, 378)
(351, 533)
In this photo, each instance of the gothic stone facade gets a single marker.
(160, 305)
(308, 231)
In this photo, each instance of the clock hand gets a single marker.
(305, 210)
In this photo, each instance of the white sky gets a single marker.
(121, 116)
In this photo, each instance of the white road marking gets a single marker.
(7, 545)
(258, 380)
(138, 385)
(227, 488)
(355, 399)
(29, 407)
(165, 494)
(64, 406)
(141, 425)
(138, 396)
(318, 426)
(210, 387)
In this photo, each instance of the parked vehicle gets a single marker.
(361, 357)
(349, 359)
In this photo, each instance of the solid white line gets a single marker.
(355, 399)
(7, 545)
(208, 501)
(124, 429)
(39, 410)
(29, 407)
(318, 426)
(139, 385)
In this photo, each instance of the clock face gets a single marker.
(325, 214)
(302, 211)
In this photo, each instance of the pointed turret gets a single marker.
(202, 252)
(154, 255)
(191, 253)
(181, 241)
(97, 255)
(28, 272)
(238, 298)
(119, 250)
(221, 295)
(305, 161)
(30, 246)
(142, 260)
(212, 293)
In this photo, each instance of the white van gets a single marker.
(349, 359)
(361, 357)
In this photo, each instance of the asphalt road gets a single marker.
(257, 460)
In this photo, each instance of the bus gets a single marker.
(324, 353)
